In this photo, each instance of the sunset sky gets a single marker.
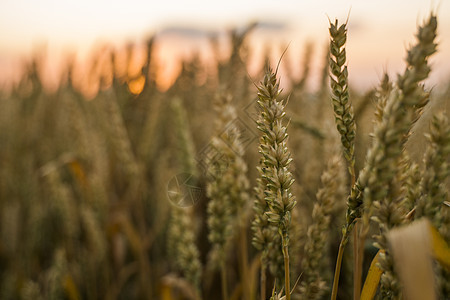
(379, 31)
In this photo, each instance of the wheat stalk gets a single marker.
(275, 164)
(227, 186)
(403, 106)
(401, 111)
(343, 112)
(314, 285)
(181, 237)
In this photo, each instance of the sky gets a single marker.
(379, 31)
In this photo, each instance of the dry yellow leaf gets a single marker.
(372, 280)
(441, 250)
(412, 247)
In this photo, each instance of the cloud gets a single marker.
(185, 31)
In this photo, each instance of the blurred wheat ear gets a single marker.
(227, 189)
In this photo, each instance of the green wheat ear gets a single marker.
(343, 111)
(401, 106)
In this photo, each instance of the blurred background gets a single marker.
(379, 32)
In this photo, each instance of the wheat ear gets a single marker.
(402, 109)
(227, 186)
(275, 163)
(314, 285)
(436, 171)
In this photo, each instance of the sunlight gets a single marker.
(376, 30)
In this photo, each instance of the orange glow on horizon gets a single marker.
(377, 40)
(169, 54)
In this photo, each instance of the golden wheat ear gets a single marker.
(275, 201)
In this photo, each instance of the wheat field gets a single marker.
(225, 185)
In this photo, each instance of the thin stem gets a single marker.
(353, 175)
(224, 280)
(356, 246)
(357, 262)
(263, 279)
(244, 262)
(338, 267)
(287, 282)
(364, 230)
